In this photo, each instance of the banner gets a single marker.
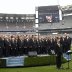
(15, 61)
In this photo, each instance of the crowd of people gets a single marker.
(16, 45)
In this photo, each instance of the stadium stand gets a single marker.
(16, 22)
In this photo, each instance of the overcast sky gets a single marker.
(28, 6)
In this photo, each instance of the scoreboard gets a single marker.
(48, 14)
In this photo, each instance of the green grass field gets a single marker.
(50, 68)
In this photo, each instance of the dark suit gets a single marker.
(13, 47)
(30, 45)
(1, 47)
(44, 46)
(35, 45)
(25, 46)
(19, 46)
(7, 47)
(49, 46)
(65, 45)
(58, 52)
(62, 44)
(39, 47)
(69, 43)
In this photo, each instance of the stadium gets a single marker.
(33, 41)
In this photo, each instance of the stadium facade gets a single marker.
(10, 23)
(60, 23)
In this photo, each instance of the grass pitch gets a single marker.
(51, 68)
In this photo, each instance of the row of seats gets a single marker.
(10, 26)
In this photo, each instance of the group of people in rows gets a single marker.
(16, 45)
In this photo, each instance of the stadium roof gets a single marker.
(53, 7)
(6, 14)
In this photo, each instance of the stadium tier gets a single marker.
(16, 22)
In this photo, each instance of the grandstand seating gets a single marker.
(15, 27)
(2, 26)
(25, 25)
(18, 23)
(68, 21)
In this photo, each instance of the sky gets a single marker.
(28, 6)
